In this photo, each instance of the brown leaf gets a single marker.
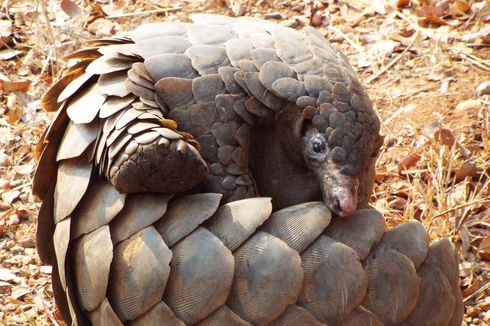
(408, 162)
(433, 14)
(400, 189)
(466, 170)
(473, 287)
(96, 12)
(101, 27)
(484, 249)
(8, 86)
(71, 8)
(5, 184)
(5, 33)
(402, 3)
(407, 32)
(459, 8)
(5, 160)
(444, 137)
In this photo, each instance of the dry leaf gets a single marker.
(96, 12)
(402, 3)
(483, 89)
(9, 196)
(466, 170)
(433, 14)
(7, 276)
(24, 169)
(7, 54)
(445, 137)
(101, 27)
(8, 86)
(5, 184)
(408, 162)
(400, 188)
(459, 8)
(473, 287)
(484, 249)
(71, 8)
(19, 291)
(5, 33)
(5, 160)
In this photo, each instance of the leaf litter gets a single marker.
(426, 67)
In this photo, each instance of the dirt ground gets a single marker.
(425, 65)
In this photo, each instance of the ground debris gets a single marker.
(425, 64)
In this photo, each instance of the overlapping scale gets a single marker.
(268, 278)
(332, 270)
(295, 315)
(185, 214)
(298, 226)
(393, 285)
(93, 257)
(361, 231)
(410, 239)
(141, 210)
(233, 223)
(139, 274)
(193, 292)
(223, 316)
(159, 314)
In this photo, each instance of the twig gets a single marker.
(156, 11)
(480, 290)
(480, 201)
(51, 37)
(392, 62)
(351, 42)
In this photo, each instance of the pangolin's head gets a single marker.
(339, 142)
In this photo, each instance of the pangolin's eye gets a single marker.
(318, 145)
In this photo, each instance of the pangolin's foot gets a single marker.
(161, 166)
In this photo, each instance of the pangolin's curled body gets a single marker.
(156, 129)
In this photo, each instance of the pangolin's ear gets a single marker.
(299, 126)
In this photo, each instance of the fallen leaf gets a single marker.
(484, 249)
(8, 86)
(5, 32)
(19, 291)
(459, 8)
(445, 137)
(408, 162)
(71, 8)
(5, 184)
(473, 287)
(5, 160)
(10, 195)
(468, 169)
(400, 188)
(7, 276)
(402, 3)
(483, 89)
(24, 169)
(433, 14)
(101, 27)
(7, 54)
(96, 12)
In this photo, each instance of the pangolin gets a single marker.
(213, 112)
